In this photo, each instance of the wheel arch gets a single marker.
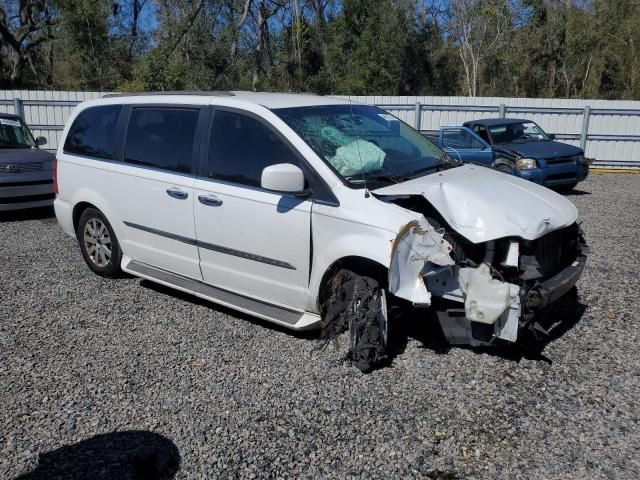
(357, 264)
(77, 213)
(503, 161)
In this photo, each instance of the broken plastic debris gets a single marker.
(513, 254)
(485, 298)
(418, 248)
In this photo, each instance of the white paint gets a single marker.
(483, 204)
(283, 177)
(419, 250)
(311, 237)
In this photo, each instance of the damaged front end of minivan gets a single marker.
(483, 293)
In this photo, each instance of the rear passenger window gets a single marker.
(241, 147)
(162, 138)
(93, 132)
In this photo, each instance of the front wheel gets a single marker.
(358, 305)
(505, 169)
(98, 244)
(566, 188)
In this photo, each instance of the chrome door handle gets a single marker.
(177, 193)
(210, 200)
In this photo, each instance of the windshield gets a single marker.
(14, 134)
(520, 132)
(365, 145)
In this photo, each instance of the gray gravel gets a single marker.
(85, 360)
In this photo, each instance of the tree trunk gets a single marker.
(257, 66)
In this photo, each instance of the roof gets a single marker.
(489, 122)
(9, 115)
(285, 100)
(269, 100)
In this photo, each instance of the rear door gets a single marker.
(153, 188)
(251, 241)
(463, 144)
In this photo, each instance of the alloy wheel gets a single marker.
(97, 242)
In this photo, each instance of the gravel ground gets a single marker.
(92, 370)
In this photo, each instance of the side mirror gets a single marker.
(552, 136)
(283, 177)
(41, 141)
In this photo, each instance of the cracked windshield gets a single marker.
(365, 145)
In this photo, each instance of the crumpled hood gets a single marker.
(539, 149)
(25, 155)
(483, 204)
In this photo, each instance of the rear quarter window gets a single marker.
(92, 133)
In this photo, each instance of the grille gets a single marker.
(562, 176)
(557, 250)
(557, 160)
(12, 168)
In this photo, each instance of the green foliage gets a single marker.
(533, 48)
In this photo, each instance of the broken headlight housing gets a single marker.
(526, 164)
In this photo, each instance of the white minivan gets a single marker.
(311, 212)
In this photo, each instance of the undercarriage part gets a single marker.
(357, 306)
(459, 329)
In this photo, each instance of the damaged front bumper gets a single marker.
(557, 286)
(476, 305)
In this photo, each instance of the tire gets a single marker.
(358, 306)
(566, 188)
(99, 244)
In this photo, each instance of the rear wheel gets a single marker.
(358, 307)
(98, 244)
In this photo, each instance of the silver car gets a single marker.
(26, 171)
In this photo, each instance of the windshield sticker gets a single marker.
(11, 123)
(387, 117)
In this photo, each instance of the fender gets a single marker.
(368, 242)
(88, 195)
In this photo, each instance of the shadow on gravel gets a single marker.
(27, 214)
(129, 455)
(577, 193)
(557, 319)
(423, 326)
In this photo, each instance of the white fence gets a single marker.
(609, 130)
(44, 111)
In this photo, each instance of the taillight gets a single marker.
(55, 176)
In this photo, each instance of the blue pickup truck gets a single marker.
(518, 147)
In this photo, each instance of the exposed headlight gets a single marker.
(526, 164)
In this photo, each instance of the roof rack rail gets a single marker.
(173, 92)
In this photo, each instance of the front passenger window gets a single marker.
(241, 147)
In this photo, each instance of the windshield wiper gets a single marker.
(388, 177)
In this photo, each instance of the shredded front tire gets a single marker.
(358, 306)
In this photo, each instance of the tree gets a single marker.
(24, 27)
(479, 28)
